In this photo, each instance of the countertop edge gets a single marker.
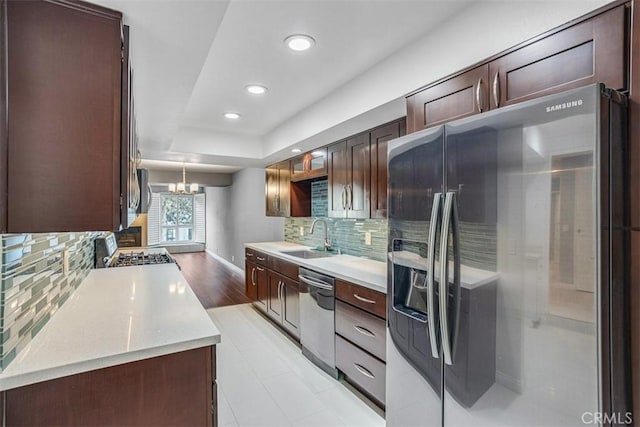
(8, 382)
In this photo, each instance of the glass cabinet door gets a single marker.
(298, 169)
(317, 163)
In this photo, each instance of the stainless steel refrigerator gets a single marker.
(522, 214)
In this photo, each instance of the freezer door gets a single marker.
(525, 339)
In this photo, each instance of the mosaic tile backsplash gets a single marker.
(319, 198)
(345, 234)
(34, 285)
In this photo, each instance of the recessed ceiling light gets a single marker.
(232, 116)
(299, 42)
(295, 150)
(256, 89)
(318, 153)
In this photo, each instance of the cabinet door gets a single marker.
(291, 314)
(271, 190)
(299, 167)
(317, 163)
(284, 182)
(378, 145)
(590, 52)
(64, 116)
(337, 185)
(262, 291)
(275, 305)
(460, 96)
(358, 176)
(250, 281)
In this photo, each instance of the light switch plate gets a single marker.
(367, 238)
(301, 231)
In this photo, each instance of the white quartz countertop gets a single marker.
(117, 315)
(361, 271)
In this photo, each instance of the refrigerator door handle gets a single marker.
(444, 278)
(431, 255)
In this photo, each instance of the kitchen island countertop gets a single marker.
(361, 271)
(116, 316)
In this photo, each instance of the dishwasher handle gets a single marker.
(315, 283)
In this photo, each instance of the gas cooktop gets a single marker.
(126, 259)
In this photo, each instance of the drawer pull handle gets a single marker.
(250, 254)
(363, 299)
(364, 371)
(260, 268)
(364, 331)
(260, 259)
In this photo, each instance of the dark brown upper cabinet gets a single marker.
(458, 97)
(349, 178)
(378, 146)
(60, 146)
(309, 165)
(592, 51)
(277, 194)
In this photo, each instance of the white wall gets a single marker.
(217, 214)
(236, 215)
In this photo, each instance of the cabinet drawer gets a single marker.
(362, 369)
(283, 267)
(255, 256)
(361, 328)
(367, 299)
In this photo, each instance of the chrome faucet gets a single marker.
(326, 243)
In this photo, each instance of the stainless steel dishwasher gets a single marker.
(317, 324)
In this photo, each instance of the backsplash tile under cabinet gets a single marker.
(34, 285)
(348, 235)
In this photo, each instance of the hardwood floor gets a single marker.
(214, 283)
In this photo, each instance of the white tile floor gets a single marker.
(264, 380)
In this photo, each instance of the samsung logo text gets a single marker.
(564, 105)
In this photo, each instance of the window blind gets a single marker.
(153, 220)
(199, 218)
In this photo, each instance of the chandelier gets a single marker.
(181, 187)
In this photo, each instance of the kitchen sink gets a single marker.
(309, 253)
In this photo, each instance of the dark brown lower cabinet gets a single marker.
(361, 369)
(360, 319)
(262, 291)
(284, 302)
(175, 389)
(250, 281)
(274, 290)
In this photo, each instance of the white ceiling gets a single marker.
(192, 60)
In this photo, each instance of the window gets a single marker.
(176, 218)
